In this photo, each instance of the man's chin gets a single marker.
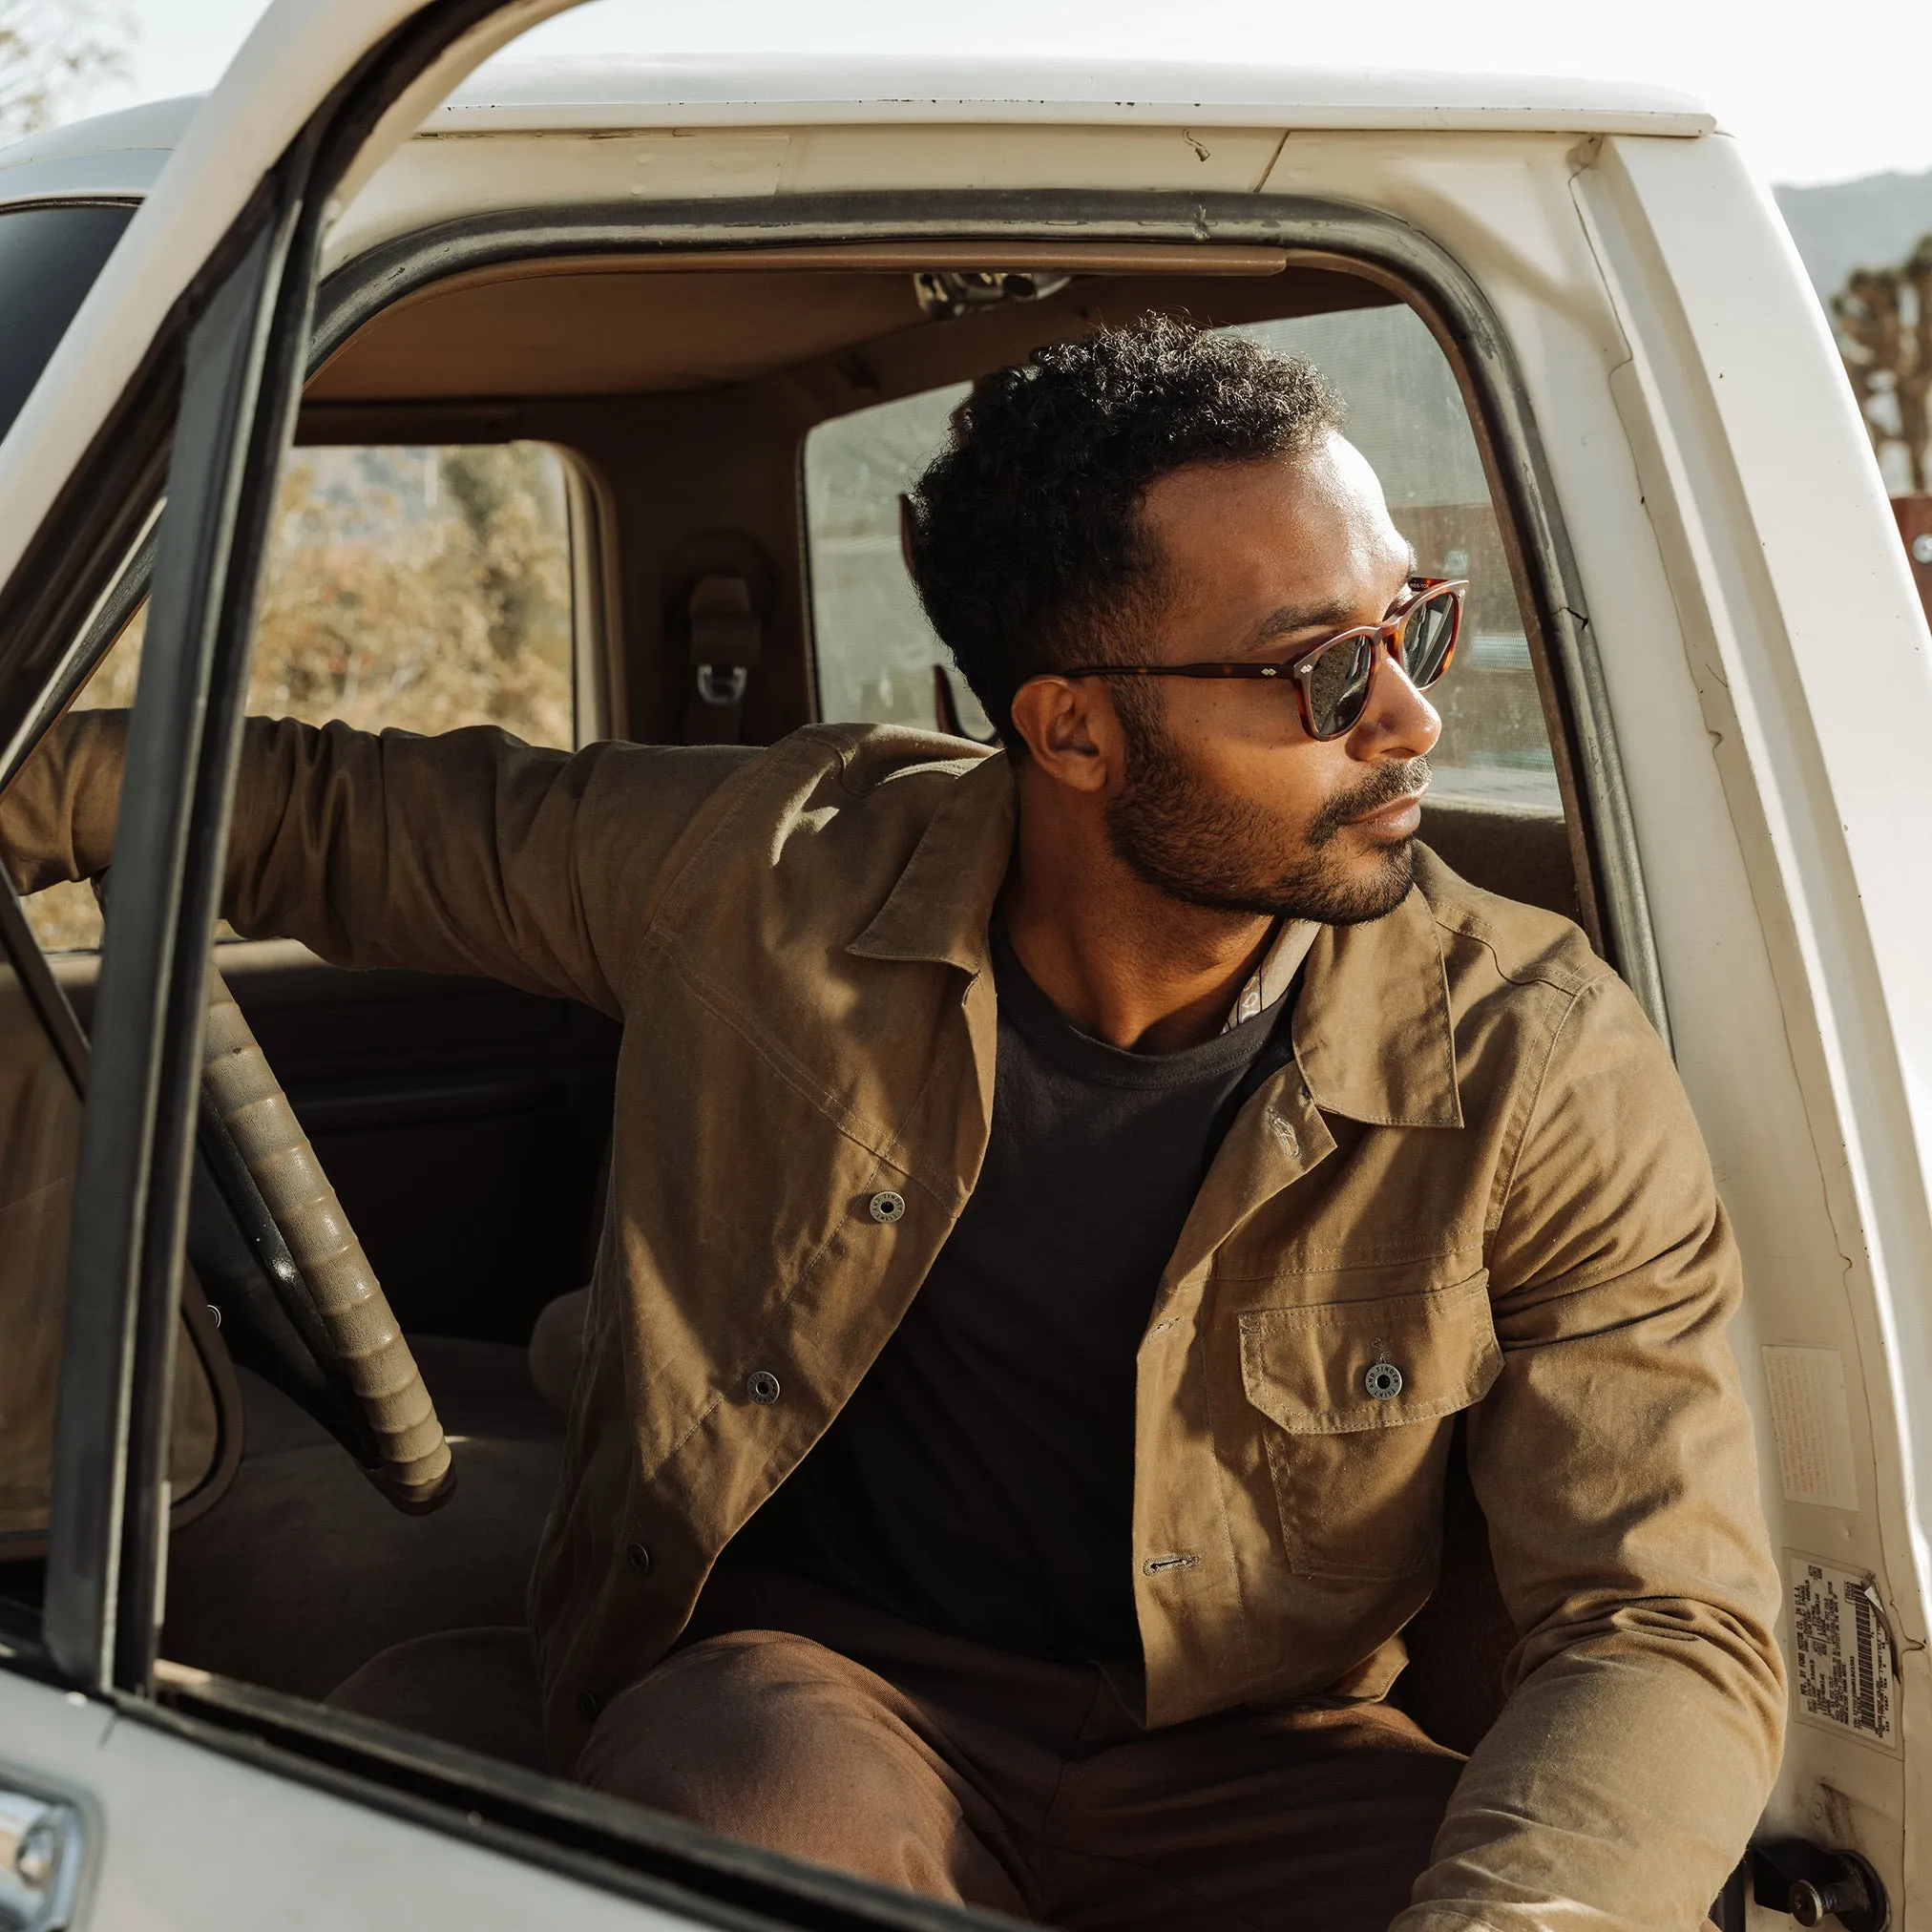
(1228, 855)
(1327, 892)
(1370, 889)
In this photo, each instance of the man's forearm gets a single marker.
(1616, 1788)
(1613, 1460)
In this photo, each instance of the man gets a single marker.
(1062, 1204)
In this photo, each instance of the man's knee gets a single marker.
(743, 1719)
(776, 1740)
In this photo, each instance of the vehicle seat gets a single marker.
(302, 1574)
(1521, 855)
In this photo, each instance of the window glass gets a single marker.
(875, 651)
(39, 1150)
(1407, 416)
(422, 589)
(50, 257)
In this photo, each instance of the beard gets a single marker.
(1175, 833)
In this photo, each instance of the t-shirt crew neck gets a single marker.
(980, 1479)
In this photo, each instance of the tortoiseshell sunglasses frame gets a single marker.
(1300, 671)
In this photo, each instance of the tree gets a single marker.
(1884, 323)
(51, 53)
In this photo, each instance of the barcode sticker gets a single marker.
(1841, 1652)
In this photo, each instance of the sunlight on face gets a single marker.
(1227, 802)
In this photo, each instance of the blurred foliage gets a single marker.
(51, 54)
(1884, 326)
(411, 589)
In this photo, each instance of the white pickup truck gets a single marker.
(705, 321)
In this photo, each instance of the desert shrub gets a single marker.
(419, 589)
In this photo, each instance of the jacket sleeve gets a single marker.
(466, 853)
(1614, 1463)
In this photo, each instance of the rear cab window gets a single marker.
(416, 588)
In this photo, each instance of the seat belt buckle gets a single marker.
(722, 683)
(727, 640)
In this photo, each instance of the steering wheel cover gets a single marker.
(366, 1343)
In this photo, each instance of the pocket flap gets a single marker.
(1315, 1371)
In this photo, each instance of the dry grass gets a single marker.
(414, 589)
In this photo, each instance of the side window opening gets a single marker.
(415, 587)
(1495, 812)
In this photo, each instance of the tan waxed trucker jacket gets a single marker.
(1479, 1168)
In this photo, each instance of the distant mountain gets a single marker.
(1868, 224)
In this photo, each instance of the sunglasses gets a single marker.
(1333, 678)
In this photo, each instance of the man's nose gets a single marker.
(1398, 720)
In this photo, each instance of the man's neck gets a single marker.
(1121, 959)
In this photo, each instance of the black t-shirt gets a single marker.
(980, 1480)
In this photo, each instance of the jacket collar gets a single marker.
(1374, 1035)
(942, 903)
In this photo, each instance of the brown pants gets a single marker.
(853, 1739)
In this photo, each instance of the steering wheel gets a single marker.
(343, 1311)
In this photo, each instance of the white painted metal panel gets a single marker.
(853, 90)
(182, 1838)
(1809, 653)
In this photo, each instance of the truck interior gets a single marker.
(698, 461)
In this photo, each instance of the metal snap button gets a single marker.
(639, 1558)
(887, 1206)
(762, 1386)
(1383, 1380)
(588, 1704)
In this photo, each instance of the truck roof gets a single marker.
(121, 154)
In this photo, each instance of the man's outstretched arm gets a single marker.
(1614, 1463)
(468, 852)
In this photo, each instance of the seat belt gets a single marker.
(726, 635)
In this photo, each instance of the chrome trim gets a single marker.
(41, 1848)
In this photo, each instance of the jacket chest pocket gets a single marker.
(1359, 1399)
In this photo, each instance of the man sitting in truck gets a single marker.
(1065, 1201)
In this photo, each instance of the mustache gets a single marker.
(1383, 786)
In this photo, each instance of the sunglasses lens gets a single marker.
(1428, 639)
(1338, 686)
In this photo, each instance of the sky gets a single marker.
(1816, 92)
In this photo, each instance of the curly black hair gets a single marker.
(1025, 538)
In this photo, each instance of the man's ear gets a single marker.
(1072, 731)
